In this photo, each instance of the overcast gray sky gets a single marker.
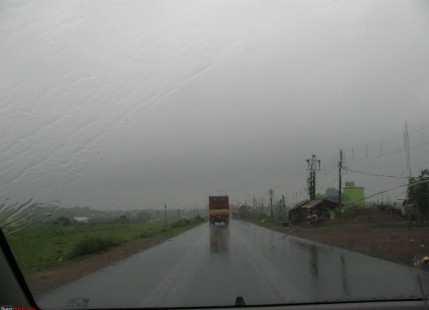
(133, 104)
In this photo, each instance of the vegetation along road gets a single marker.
(51, 255)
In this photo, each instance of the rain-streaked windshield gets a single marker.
(215, 153)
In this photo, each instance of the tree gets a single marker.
(319, 196)
(123, 219)
(418, 192)
(331, 193)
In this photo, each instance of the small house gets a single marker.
(322, 209)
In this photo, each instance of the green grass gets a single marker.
(40, 247)
(93, 244)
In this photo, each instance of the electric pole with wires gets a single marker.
(340, 166)
(271, 193)
(313, 166)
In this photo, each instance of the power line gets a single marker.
(391, 189)
(377, 175)
(393, 151)
(390, 145)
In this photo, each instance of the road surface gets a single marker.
(211, 266)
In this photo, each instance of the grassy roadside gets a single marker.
(47, 246)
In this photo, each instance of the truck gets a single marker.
(219, 209)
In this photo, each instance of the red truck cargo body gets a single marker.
(219, 209)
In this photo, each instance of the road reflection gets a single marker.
(343, 275)
(219, 239)
(314, 262)
(320, 271)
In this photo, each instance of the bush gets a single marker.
(198, 218)
(186, 222)
(148, 233)
(58, 231)
(62, 220)
(93, 244)
(180, 223)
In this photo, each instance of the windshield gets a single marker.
(211, 153)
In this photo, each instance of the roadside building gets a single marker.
(353, 196)
(320, 209)
(244, 211)
(83, 220)
(241, 212)
(235, 213)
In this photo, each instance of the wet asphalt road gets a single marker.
(211, 266)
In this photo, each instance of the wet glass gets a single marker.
(120, 119)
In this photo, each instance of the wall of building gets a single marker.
(354, 196)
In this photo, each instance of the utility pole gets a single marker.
(340, 166)
(165, 216)
(283, 205)
(254, 203)
(408, 157)
(407, 149)
(312, 167)
(271, 192)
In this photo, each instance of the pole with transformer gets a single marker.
(312, 167)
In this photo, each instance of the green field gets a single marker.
(44, 246)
